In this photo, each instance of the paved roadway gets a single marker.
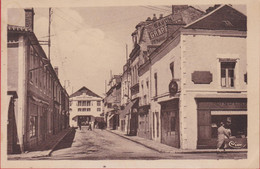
(103, 145)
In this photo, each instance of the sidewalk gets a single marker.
(44, 149)
(163, 148)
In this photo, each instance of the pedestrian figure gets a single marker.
(90, 127)
(80, 125)
(222, 132)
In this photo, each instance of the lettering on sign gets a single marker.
(157, 30)
(236, 145)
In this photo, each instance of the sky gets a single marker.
(89, 42)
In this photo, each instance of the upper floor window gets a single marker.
(79, 103)
(228, 74)
(172, 69)
(79, 109)
(98, 103)
(155, 84)
(88, 109)
(88, 103)
(98, 109)
(83, 103)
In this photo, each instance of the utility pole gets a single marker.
(49, 41)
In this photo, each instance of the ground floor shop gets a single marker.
(144, 130)
(170, 132)
(231, 111)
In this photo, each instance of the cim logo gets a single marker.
(234, 144)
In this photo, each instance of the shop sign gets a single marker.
(201, 77)
(157, 30)
(237, 143)
(173, 87)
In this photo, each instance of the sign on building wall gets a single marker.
(157, 31)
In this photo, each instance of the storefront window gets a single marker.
(236, 123)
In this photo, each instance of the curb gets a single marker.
(56, 144)
(211, 151)
(183, 151)
(137, 142)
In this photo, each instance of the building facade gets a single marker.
(86, 107)
(198, 78)
(112, 103)
(151, 71)
(38, 105)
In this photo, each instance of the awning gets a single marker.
(127, 108)
(228, 112)
(39, 100)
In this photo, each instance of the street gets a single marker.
(103, 145)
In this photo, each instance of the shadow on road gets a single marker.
(67, 141)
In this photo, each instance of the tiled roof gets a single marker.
(84, 90)
(17, 28)
(223, 18)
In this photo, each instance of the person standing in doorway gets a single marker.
(222, 132)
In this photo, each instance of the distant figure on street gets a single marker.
(90, 126)
(222, 133)
(80, 125)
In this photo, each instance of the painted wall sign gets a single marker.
(157, 30)
(201, 77)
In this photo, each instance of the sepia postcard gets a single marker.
(129, 84)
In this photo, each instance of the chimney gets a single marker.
(29, 18)
(161, 16)
(154, 17)
(56, 69)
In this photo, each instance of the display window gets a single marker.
(236, 125)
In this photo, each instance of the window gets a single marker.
(88, 103)
(155, 84)
(88, 109)
(172, 69)
(98, 103)
(84, 103)
(228, 74)
(98, 109)
(109, 105)
(79, 109)
(79, 103)
(84, 109)
(33, 126)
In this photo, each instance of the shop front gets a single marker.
(231, 111)
(170, 123)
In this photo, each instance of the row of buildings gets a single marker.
(187, 72)
(38, 103)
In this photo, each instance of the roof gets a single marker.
(84, 90)
(17, 28)
(222, 18)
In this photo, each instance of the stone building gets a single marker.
(39, 105)
(112, 102)
(85, 107)
(198, 78)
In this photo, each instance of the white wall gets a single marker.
(202, 53)
(93, 105)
